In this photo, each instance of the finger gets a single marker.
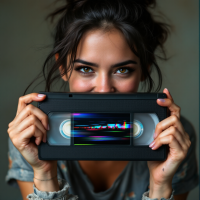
(169, 96)
(24, 100)
(179, 137)
(187, 136)
(169, 102)
(28, 121)
(169, 139)
(31, 110)
(23, 139)
(166, 123)
(176, 151)
(173, 108)
(32, 132)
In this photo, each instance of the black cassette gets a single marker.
(102, 126)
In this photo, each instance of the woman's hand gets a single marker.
(171, 132)
(27, 130)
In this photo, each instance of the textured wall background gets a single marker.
(24, 31)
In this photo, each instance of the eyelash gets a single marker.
(86, 73)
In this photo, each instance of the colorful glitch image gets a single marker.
(101, 128)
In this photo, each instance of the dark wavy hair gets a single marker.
(132, 17)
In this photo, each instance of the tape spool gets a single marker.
(144, 125)
(65, 129)
(137, 129)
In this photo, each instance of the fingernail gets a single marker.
(166, 89)
(154, 135)
(152, 144)
(153, 147)
(162, 100)
(41, 95)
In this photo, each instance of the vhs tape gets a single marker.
(101, 126)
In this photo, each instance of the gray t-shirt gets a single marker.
(130, 184)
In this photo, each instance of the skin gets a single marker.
(105, 49)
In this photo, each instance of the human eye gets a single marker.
(125, 70)
(84, 70)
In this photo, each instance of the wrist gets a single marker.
(46, 180)
(45, 175)
(47, 185)
(160, 191)
(46, 172)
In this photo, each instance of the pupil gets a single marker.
(86, 69)
(122, 70)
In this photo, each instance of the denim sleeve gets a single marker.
(19, 168)
(186, 177)
(145, 196)
(62, 194)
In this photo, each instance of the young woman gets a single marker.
(103, 46)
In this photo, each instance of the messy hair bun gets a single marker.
(131, 17)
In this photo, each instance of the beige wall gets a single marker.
(23, 31)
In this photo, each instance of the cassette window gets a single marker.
(68, 129)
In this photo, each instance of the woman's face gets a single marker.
(105, 63)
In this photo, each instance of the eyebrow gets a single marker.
(113, 66)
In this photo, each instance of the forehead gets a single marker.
(105, 46)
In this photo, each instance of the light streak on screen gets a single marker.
(101, 128)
